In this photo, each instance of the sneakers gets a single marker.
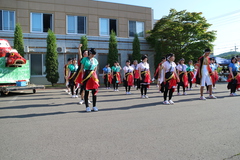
(142, 96)
(179, 94)
(73, 96)
(95, 109)
(171, 102)
(233, 94)
(81, 102)
(128, 92)
(202, 98)
(212, 97)
(184, 93)
(88, 109)
(89, 102)
(146, 96)
(166, 102)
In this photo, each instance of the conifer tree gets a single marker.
(112, 51)
(136, 55)
(84, 43)
(52, 74)
(18, 40)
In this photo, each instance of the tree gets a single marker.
(136, 55)
(18, 40)
(183, 33)
(52, 59)
(112, 51)
(84, 43)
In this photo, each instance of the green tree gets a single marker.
(84, 43)
(112, 51)
(52, 74)
(183, 33)
(136, 55)
(18, 40)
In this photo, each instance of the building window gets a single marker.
(38, 64)
(41, 22)
(76, 24)
(107, 25)
(136, 28)
(7, 20)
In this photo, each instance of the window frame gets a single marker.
(136, 28)
(43, 66)
(109, 32)
(76, 24)
(31, 24)
(9, 21)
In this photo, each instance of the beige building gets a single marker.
(69, 20)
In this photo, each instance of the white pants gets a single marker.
(206, 79)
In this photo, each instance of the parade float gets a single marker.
(14, 70)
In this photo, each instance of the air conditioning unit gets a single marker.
(26, 49)
(61, 49)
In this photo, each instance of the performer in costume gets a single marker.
(238, 58)
(159, 75)
(107, 76)
(214, 67)
(79, 74)
(204, 74)
(67, 74)
(72, 70)
(128, 78)
(234, 76)
(190, 72)
(90, 80)
(116, 80)
(170, 78)
(136, 74)
(182, 73)
(144, 72)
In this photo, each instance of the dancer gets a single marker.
(159, 75)
(116, 68)
(107, 76)
(79, 74)
(90, 80)
(170, 78)
(203, 74)
(136, 74)
(66, 74)
(182, 73)
(234, 76)
(128, 78)
(73, 69)
(144, 72)
(190, 73)
(214, 66)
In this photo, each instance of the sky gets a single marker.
(224, 15)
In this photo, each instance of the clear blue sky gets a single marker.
(223, 14)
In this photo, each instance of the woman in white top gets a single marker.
(170, 78)
(144, 72)
(128, 78)
(182, 73)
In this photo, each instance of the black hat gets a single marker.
(92, 51)
(143, 57)
(207, 50)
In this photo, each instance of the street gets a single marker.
(50, 125)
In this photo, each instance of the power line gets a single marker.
(224, 15)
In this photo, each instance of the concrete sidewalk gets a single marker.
(51, 125)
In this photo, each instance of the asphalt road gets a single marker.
(49, 125)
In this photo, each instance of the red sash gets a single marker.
(79, 77)
(130, 80)
(185, 79)
(136, 74)
(92, 82)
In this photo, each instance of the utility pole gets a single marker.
(235, 48)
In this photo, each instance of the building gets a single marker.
(69, 20)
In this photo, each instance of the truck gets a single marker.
(14, 70)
